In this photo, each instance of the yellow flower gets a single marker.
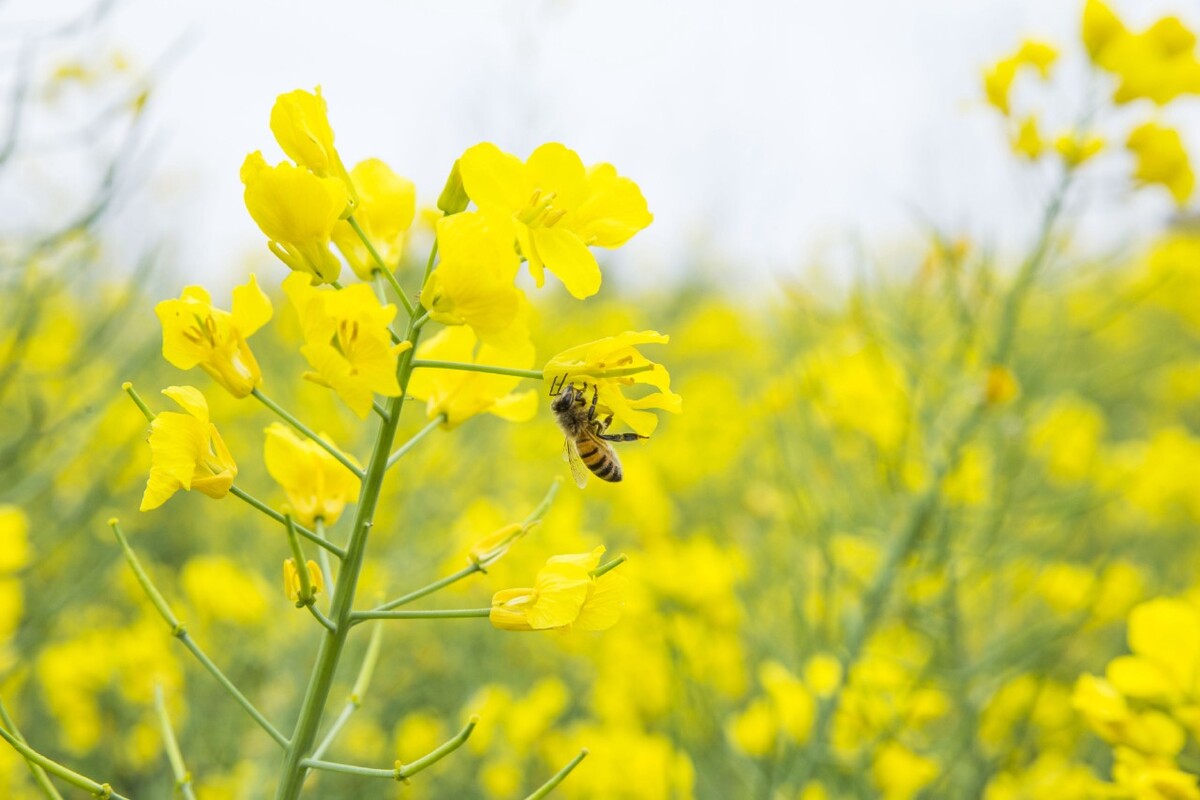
(318, 486)
(461, 395)
(1162, 159)
(1152, 778)
(186, 451)
(197, 334)
(385, 210)
(1028, 141)
(473, 282)
(998, 80)
(1158, 64)
(297, 211)
(899, 773)
(220, 590)
(292, 586)
(347, 342)
(14, 539)
(1076, 148)
(300, 122)
(755, 730)
(493, 546)
(556, 208)
(610, 364)
(1101, 27)
(1109, 715)
(1164, 635)
(792, 700)
(1000, 386)
(563, 596)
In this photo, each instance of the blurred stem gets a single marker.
(300, 426)
(926, 503)
(549, 786)
(381, 267)
(180, 633)
(275, 515)
(429, 428)
(401, 772)
(183, 778)
(58, 770)
(440, 613)
(355, 701)
(39, 773)
(333, 644)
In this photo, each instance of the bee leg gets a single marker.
(557, 384)
(592, 409)
(621, 437)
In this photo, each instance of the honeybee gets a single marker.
(587, 446)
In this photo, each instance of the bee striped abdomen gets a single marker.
(599, 458)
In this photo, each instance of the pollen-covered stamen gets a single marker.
(540, 212)
(203, 332)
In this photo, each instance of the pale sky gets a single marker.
(765, 135)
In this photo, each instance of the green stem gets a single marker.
(604, 569)
(440, 613)
(102, 790)
(399, 772)
(275, 515)
(333, 643)
(348, 769)
(180, 633)
(307, 595)
(183, 778)
(137, 399)
(381, 267)
(325, 621)
(532, 374)
(323, 558)
(429, 428)
(433, 251)
(437, 585)
(357, 693)
(39, 774)
(549, 786)
(300, 426)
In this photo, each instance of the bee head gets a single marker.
(569, 396)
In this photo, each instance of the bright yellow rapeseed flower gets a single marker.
(318, 486)
(563, 596)
(473, 282)
(297, 211)
(1162, 159)
(186, 451)
(386, 206)
(556, 208)
(613, 363)
(347, 341)
(460, 395)
(1158, 64)
(195, 333)
(300, 122)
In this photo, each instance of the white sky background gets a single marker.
(766, 135)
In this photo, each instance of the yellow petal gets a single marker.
(251, 307)
(567, 257)
(494, 179)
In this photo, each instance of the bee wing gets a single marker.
(578, 469)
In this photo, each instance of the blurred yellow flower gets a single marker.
(297, 211)
(1162, 159)
(292, 585)
(186, 451)
(386, 207)
(556, 208)
(1028, 141)
(221, 590)
(998, 79)
(14, 539)
(823, 674)
(1108, 714)
(899, 773)
(564, 595)
(612, 363)
(493, 546)
(318, 486)
(473, 282)
(1158, 64)
(1152, 777)
(195, 333)
(791, 699)
(347, 341)
(1077, 148)
(1067, 438)
(755, 729)
(300, 122)
(1164, 635)
(460, 395)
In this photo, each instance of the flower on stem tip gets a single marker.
(613, 363)
(555, 208)
(300, 122)
(347, 341)
(318, 486)
(564, 596)
(195, 333)
(385, 211)
(186, 451)
(460, 395)
(292, 586)
(1162, 159)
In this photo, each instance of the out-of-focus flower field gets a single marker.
(932, 535)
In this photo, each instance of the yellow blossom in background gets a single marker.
(1077, 148)
(755, 729)
(1173, 274)
(999, 78)
(473, 282)
(555, 208)
(221, 590)
(300, 122)
(292, 585)
(899, 773)
(793, 702)
(346, 341)
(564, 595)
(1158, 64)
(1067, 437)
(493, 546)
(1001, 386)
(386, 207)
(14, 539)
(1162, 159)
(196, 333)
(1028, 141)
(460, 395)
(318, 486)
(297, 211)
(823, 674)
(612, 363)
(1164, 635)
(186, 451)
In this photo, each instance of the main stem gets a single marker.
(334, 642)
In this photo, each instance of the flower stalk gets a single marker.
(183, 778)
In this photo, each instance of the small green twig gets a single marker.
(180, 633)
(441, 613)
(39, 774)
(604, 569)
(183, 778)
(307, 595)
(101, 790)
(307, 431)
(429, 428)
(357, 693)
(401, 772)
(323, 558)
(137, 399)
(559, 777)
(325, 621)
(381, 267)
(319, 541)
